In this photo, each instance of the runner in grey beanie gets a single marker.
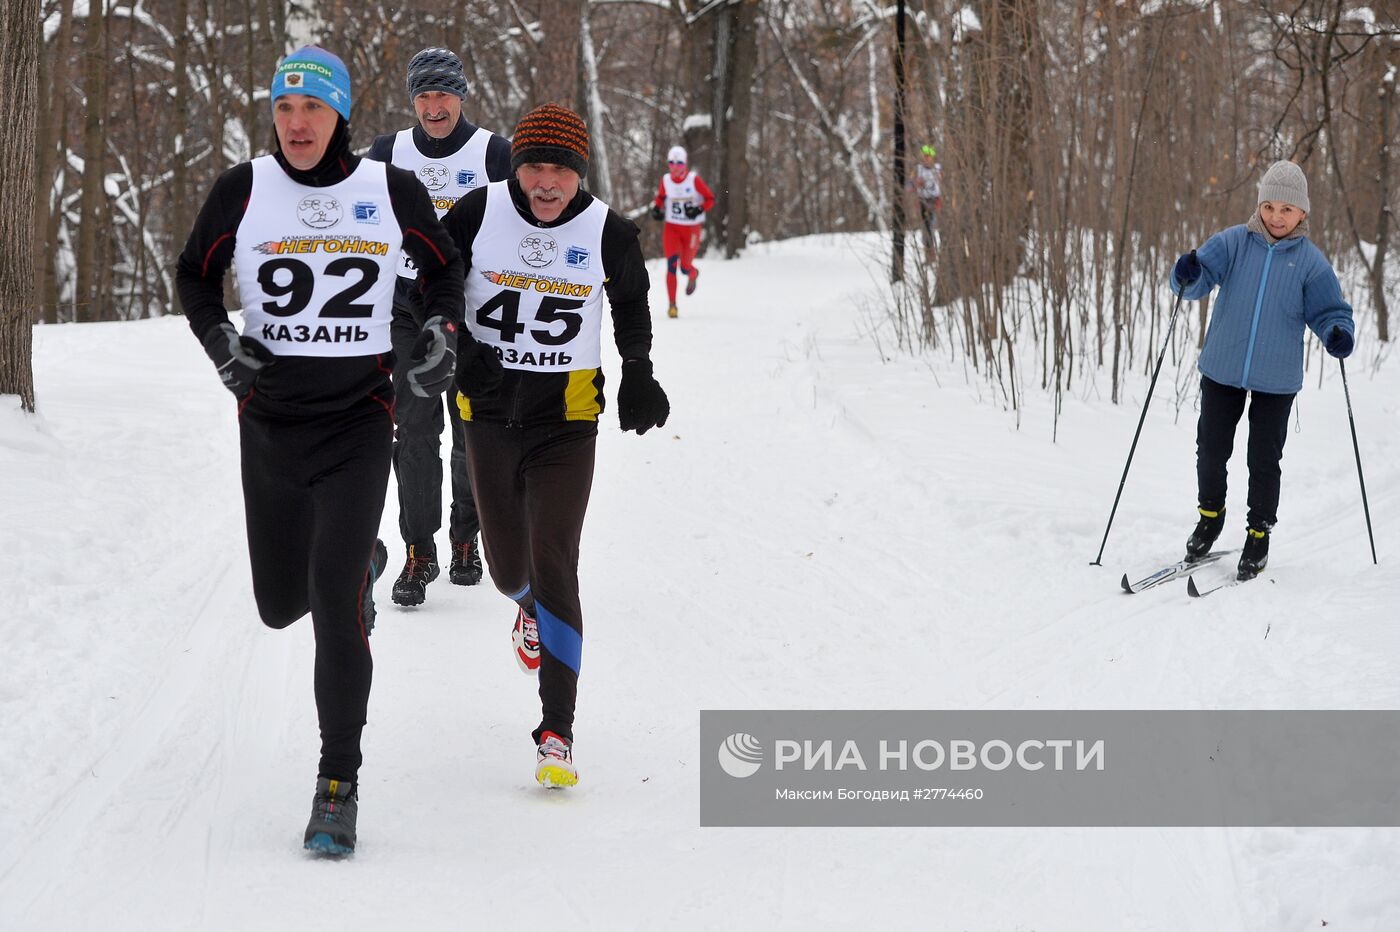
(1285, 182)
(437, 70)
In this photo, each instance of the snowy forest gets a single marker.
(875, 478)
(1084, 144)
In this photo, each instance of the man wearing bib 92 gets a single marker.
(540, 253)
(314, 235)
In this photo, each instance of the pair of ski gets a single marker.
(1186, 568)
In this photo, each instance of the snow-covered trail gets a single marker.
(814, 528)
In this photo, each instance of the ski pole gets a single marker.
(1171, 325)
(1357, 450)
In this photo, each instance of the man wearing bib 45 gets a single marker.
(682, 202)
(314, 235)
(540, 254)
(450, 156)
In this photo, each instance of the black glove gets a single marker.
(480, 372)
(1188, 269)
(238, 359)
(641, 404)
(692, 211)
(433, 358)
(656, 213)
(1339, 342)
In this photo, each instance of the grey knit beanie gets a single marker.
(1285, 182)
(437, 70)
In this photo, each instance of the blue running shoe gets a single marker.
(333, 812)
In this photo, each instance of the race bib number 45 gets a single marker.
(556, 323)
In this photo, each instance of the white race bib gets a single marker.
(446, 179)
(537, 295)
(678, 195)
(315, 266)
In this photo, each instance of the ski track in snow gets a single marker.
(814, 528)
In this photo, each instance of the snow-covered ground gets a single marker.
(814, 528)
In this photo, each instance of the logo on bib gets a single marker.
(466, 178)
(434, 176)
(366, 212)
(538, 250)
(576, 257)
(319, 212)
(345, 245)
(524, 281)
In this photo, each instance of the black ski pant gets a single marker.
(929, 218)
(1221, 407)
(313, 489)
(417, 450)
(532, 486)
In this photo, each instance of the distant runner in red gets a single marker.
(682, 202)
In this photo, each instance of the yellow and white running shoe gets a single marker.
(554, 762)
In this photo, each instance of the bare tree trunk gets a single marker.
(1385, 101)
(697, 125)
(599, 171)
(739, 94)
(1328, 125)
(721, 70)
(897, 217)
(275, 19)
(94, 150)
(990, 219)
(335, 22)
(43, 158)
(138, 293)
(48, 205)
(556, 57)
(251, 41)
(180, 221)
(19, 78)
(1120, 250)
(733, 46)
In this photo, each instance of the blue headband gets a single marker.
(313, 71)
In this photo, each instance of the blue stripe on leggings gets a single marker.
(521, 594)
(557, 637)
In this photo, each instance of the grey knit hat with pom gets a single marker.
(1285, 182)
(437, 70)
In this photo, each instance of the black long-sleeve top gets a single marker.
(406, 291)
(497, 148)
(626, 283)
(300, 385)
(536, 397)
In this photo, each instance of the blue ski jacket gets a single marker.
(1268, 294)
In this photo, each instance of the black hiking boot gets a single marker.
(1205, 534)
(465, 569)
(1256, 553)
(421, 568)
(377, 561)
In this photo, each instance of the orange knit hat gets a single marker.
(553, 134)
